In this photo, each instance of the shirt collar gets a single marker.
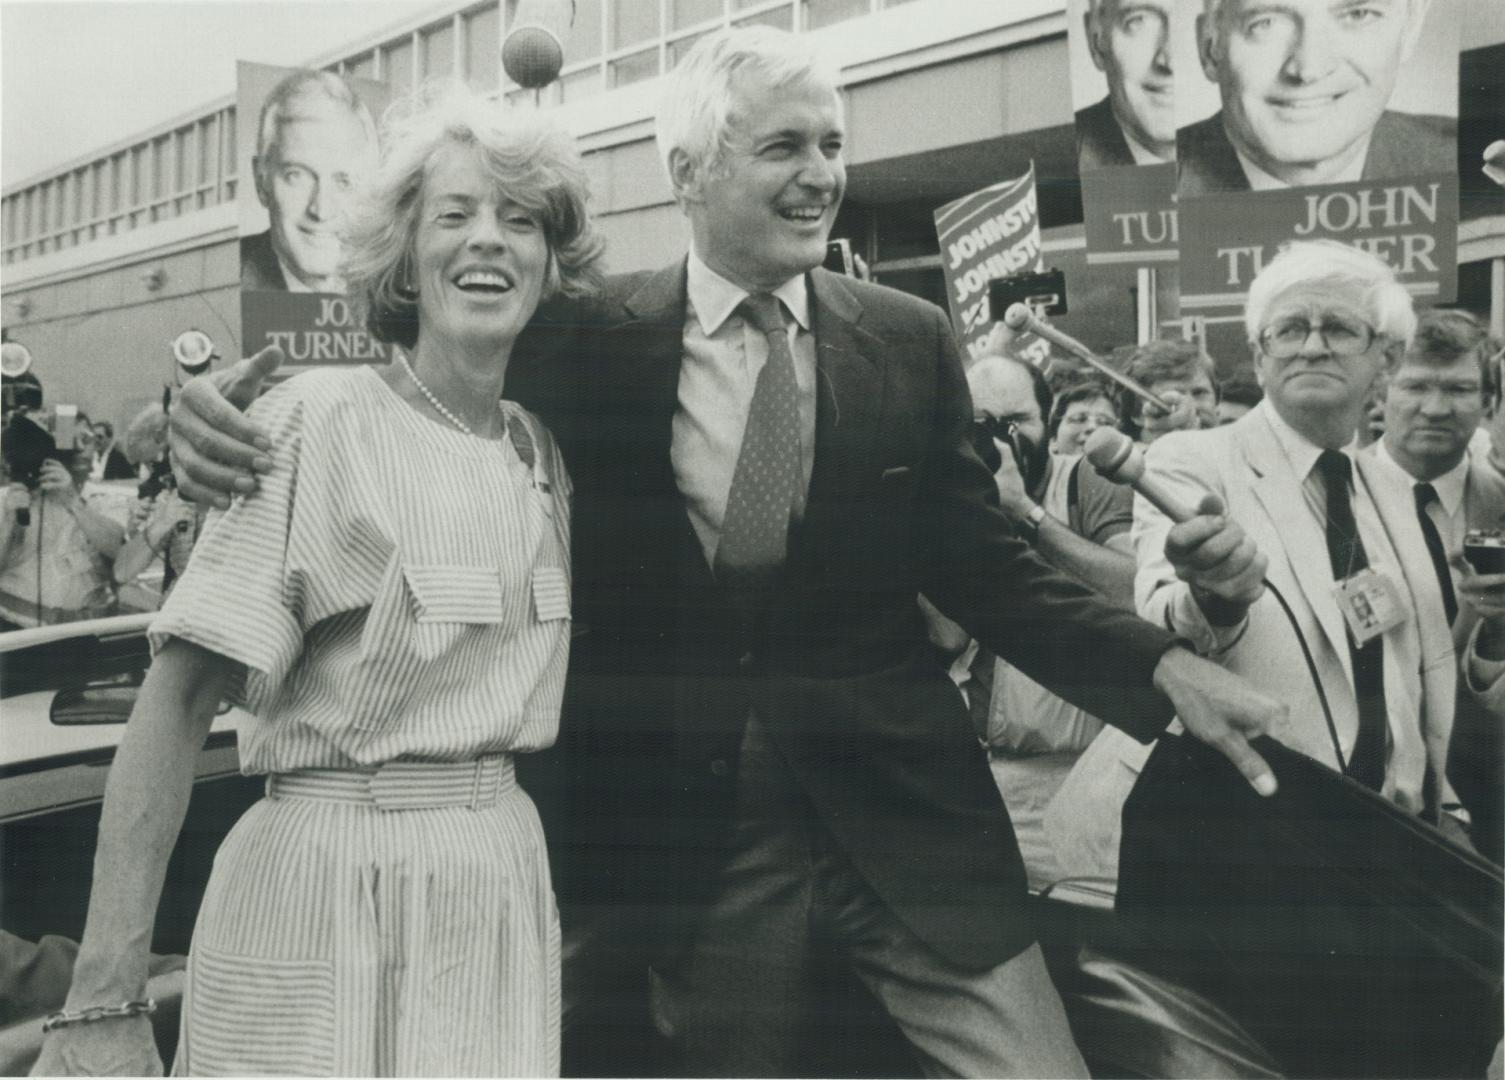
(1449, 486)
(714, 299)
(1299, 450)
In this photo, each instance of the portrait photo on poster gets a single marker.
(1122, 81)
(1313, 92)
(310, 140)
(314, 138)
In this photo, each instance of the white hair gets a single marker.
(291, 98)
(1319, 263)
(695, 113)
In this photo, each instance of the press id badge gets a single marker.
(551, 594)
(1371, 604)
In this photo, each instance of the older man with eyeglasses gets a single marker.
(1281, 497)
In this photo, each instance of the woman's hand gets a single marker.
(123, 1046)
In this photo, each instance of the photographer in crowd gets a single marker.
(55, 550)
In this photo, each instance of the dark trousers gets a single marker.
(741, 1001)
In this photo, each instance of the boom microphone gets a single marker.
(1120, 459)
(533, 50)
(1019, 318)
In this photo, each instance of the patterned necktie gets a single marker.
(1346, 555)
(1426, 495)
(767, 483)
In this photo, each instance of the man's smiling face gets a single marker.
(1303, 82)
(763, 214)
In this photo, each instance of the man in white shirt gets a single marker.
(1280, 499)
(770, 462)
(1434, 404)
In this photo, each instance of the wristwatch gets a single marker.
(1028, 527)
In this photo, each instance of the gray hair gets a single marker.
(695, 113)
(524, 154)
(289, 99)
(1308, 263)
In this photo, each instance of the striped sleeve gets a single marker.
(236, 597)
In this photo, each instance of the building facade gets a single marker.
(106, 259)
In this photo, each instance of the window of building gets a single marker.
(439, 51)
(483, 48)
(686, 13)
(818, 13)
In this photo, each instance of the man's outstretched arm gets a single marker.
(217, 452)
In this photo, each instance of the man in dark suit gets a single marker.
(1129, 41)
(1305, 89)
(771, 462)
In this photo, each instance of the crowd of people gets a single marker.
(782, 543)
(91, 528)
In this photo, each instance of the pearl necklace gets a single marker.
(435, 402)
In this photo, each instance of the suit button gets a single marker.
(719, 767)
(747, 660)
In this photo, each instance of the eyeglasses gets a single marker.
(1285, 338)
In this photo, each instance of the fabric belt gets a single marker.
(403, 785)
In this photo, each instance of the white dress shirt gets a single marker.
(723, 355)
(1447, 513)
(1406, 758)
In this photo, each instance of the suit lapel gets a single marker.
(1279, 491)
(849, 393)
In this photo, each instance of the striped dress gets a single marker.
(395, 597)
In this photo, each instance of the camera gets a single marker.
(1485, 550)
(839, 258)
(158, 480)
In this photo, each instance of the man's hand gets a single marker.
(1221, 709)
(1011, 492)
(1154, 422)
(57, 482)
(1213, 555)
(1485, 593)
(216, 451)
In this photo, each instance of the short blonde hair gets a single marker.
(533, 161)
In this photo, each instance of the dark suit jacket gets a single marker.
(117, 467)
(259, 269)
(1100, 142)
(663, 678)
(1403, 144)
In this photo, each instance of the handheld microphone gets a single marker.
(1119, 459)
(533, 51)
(1019, 318)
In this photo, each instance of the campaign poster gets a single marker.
(989, 234)
(1123, 99)
(1316, 120)
(307, 140)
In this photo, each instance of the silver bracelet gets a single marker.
(64, 1018)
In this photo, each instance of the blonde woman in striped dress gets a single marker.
(393, 606)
